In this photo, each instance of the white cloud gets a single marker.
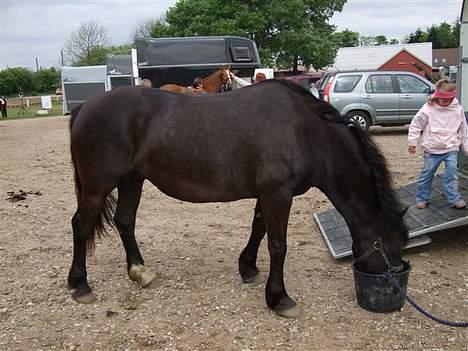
(397, 18)
(30, 29)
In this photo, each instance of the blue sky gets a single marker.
(30, 29)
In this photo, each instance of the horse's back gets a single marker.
(239, 142)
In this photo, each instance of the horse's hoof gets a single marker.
(250, 276)
(141, 275)
(251, 279)
(287, 307)
(86, 298)
(292, 312)
(146, 279)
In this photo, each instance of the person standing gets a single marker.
(3, 107)
(242, 83)
(441, 127)
(197, 86)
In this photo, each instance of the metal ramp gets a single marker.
(437, 216)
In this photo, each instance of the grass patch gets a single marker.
(31, 111)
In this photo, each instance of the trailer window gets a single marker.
(240, 54)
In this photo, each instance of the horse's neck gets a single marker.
(212, 83)
(347, 182)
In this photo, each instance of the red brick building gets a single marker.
(406, 61)
(415, 57)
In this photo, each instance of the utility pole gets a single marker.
(61, 58)
(37, 65)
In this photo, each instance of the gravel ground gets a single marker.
(198, 301)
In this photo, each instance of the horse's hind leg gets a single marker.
(248, 258)
(276, 208)
(129, 190)
(83, 222)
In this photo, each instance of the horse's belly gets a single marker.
(187, 189)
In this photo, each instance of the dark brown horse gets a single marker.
(212, 84)
(270, 141)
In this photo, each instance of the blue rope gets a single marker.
(420, 309)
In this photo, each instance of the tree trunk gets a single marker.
(295, 71)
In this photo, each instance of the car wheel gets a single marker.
(361, 118)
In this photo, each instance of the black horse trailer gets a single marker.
(180, 60)
(162, 61)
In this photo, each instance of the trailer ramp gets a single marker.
(437, 216)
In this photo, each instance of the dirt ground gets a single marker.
(199, 301)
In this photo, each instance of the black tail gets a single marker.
(107, 211)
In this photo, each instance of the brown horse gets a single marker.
(214, 83)
(270, 141)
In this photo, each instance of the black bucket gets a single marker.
(376, 293)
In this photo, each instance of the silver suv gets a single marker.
(376, 97)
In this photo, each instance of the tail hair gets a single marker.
(105, 219)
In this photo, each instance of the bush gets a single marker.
(18, 79)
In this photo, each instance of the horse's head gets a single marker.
(226, 80)
(380, 244)
(376, 215)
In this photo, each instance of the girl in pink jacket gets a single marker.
(440, 126)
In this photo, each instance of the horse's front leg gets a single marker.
(248, 258)
(129, 189)
(276, 208)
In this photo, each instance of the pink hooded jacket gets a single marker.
(441, 129)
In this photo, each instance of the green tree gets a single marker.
(432, 37)
(143, 30)
(367, 40)
(346, 39)
(443, 35)
(46, 80)
(417, 37)
(15, 80)
(456, 34)
(381, 40)
(286, 33)
(86, 45)
(125, 49)
(98, 55)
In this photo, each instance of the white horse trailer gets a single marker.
(80, 83)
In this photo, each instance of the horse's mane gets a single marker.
(323, 109)
(390, 206)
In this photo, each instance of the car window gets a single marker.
(324, 81)
(378, 84)
(410, 84)
(346, 84)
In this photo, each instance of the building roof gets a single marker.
(373, 57)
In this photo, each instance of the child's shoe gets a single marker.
(421, 205)
(459, 205)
